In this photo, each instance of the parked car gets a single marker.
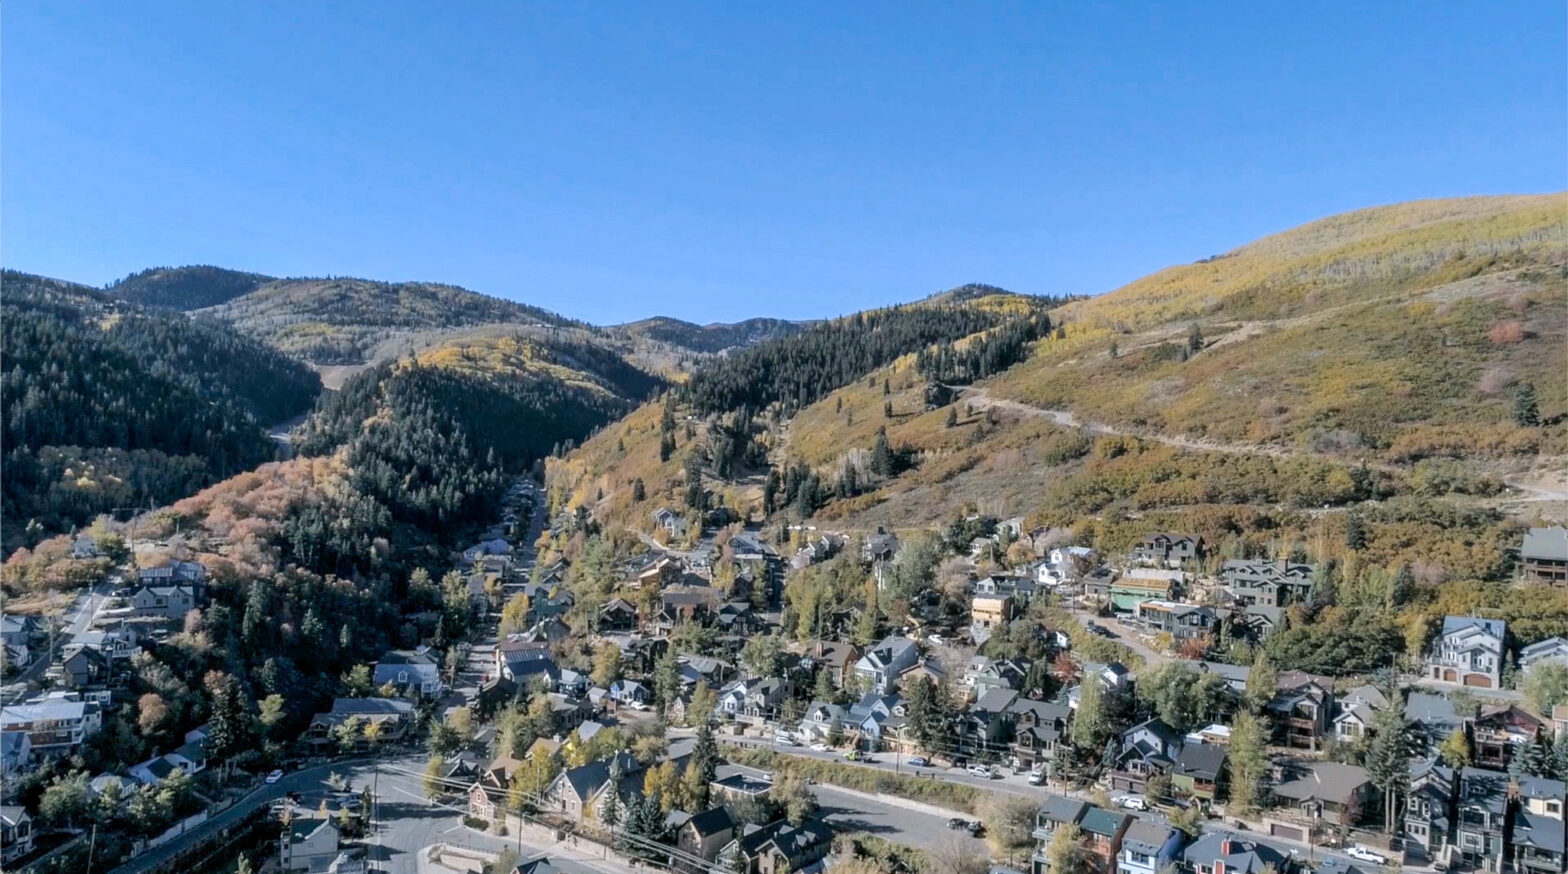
(637, 705)
(919, 762)
(785, 738)
(980, 771)
(1036, 778)
(1130, 802)
(1363, 854)
(976, 829)
(275, 776)
(956, 823)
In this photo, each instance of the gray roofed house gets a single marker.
(1199, 770)
(1543, 556)
(884, 662)
(409, 671)
(1553, 650)
(575, 789)
(1148, 847)
(1332, 791)
(1433, 717)
(1227, 853)
(1429, 807)
(1469, 651)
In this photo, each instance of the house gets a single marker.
(173, 572)
(1146, 749)
(492, 784)
(1429, 809)
(16, 753)
(1235, 675)
(55, 725)
(1167, 550)
(881, 666)
(1097, 584)
(1332, 791)
(1258, 622)
(1481, 819)
(1038, 726)
(880, 547)
(308, 844)
(1056, 812)
(1103, 831)
(169, 602)
(838, 659)
(1199, 771)
(984, 674)
(83, 547)
(988, 613)
(582, 790)
(83, 667)
(617, 615)
(1271, 583)
(778, 848)
(1145, 584)
(413, 673)
(681, 604)
(629, 692)
(670, 522)
(351, 718)
(1433, 719)
(1536, 838)
(732, 783)
(521, 660)
(1543, 557)
(1182, 622)
(1148, 847)
(1299, 714)
(822, 721)
(1468, 651)
(16, 833)
(986, 723)
(1553, 651)
(1217, 852)
(705, 834)
(494, 547)
(1020, 587)
(1355, 711)
(1500, 729)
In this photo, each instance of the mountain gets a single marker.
(186, 288)
(711, 338)
(1386, 354)
(108, 404)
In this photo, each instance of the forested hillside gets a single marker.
(800, 369)
(110, 405)
(185, 288)
(711, 338)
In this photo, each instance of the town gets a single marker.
(1040, 707)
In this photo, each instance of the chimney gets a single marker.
(1219, 864)
(1225, 848)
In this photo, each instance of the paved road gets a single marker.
(76, 619)
(1016, 784)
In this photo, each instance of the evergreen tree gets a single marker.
(639, 491)
(1355, 532)
(610, 811)
(705, 754)
(1388, 758)
(887, 409)
(229, 730)
(1527, 412)
(1531, 759)
(1261, 684)
(1195, 339)
(882, 463)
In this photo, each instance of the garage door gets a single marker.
(1288, 832)
(1480, 680)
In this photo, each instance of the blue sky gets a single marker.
(723, 160)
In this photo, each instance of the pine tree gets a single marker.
(639, 491)
(610, 811)
(705, 754)
(882, 455)
(1388, 758)
(1527, 412)
(887, 409)
(1355, 532)
(1195, 339)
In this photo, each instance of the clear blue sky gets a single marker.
(723, 160)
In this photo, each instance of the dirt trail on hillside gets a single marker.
(1534, 488)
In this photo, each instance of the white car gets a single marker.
(980, 771)
(637, 705)
(819, 748)
(275, 776)
(1131, 802)
(1362, 854)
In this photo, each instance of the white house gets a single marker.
(1469, 651)
(1553, 650)
(882, 664)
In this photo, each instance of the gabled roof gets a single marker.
(1147, 837)
(1495, 627)
(710, 822)
(587, 780)
(1324, 781)
(1105, 823)
(1200, 760)
(1245, 856)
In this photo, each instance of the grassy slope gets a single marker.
(1378, 323)
(1338, 326)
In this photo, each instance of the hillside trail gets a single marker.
(981, 397)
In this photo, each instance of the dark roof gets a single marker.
(1099, 821)
(1245, 857)
(1201, 760)
(711, 822)
(1058, 808)
(586, 779)
(1147, 836)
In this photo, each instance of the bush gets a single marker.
(931, 791)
